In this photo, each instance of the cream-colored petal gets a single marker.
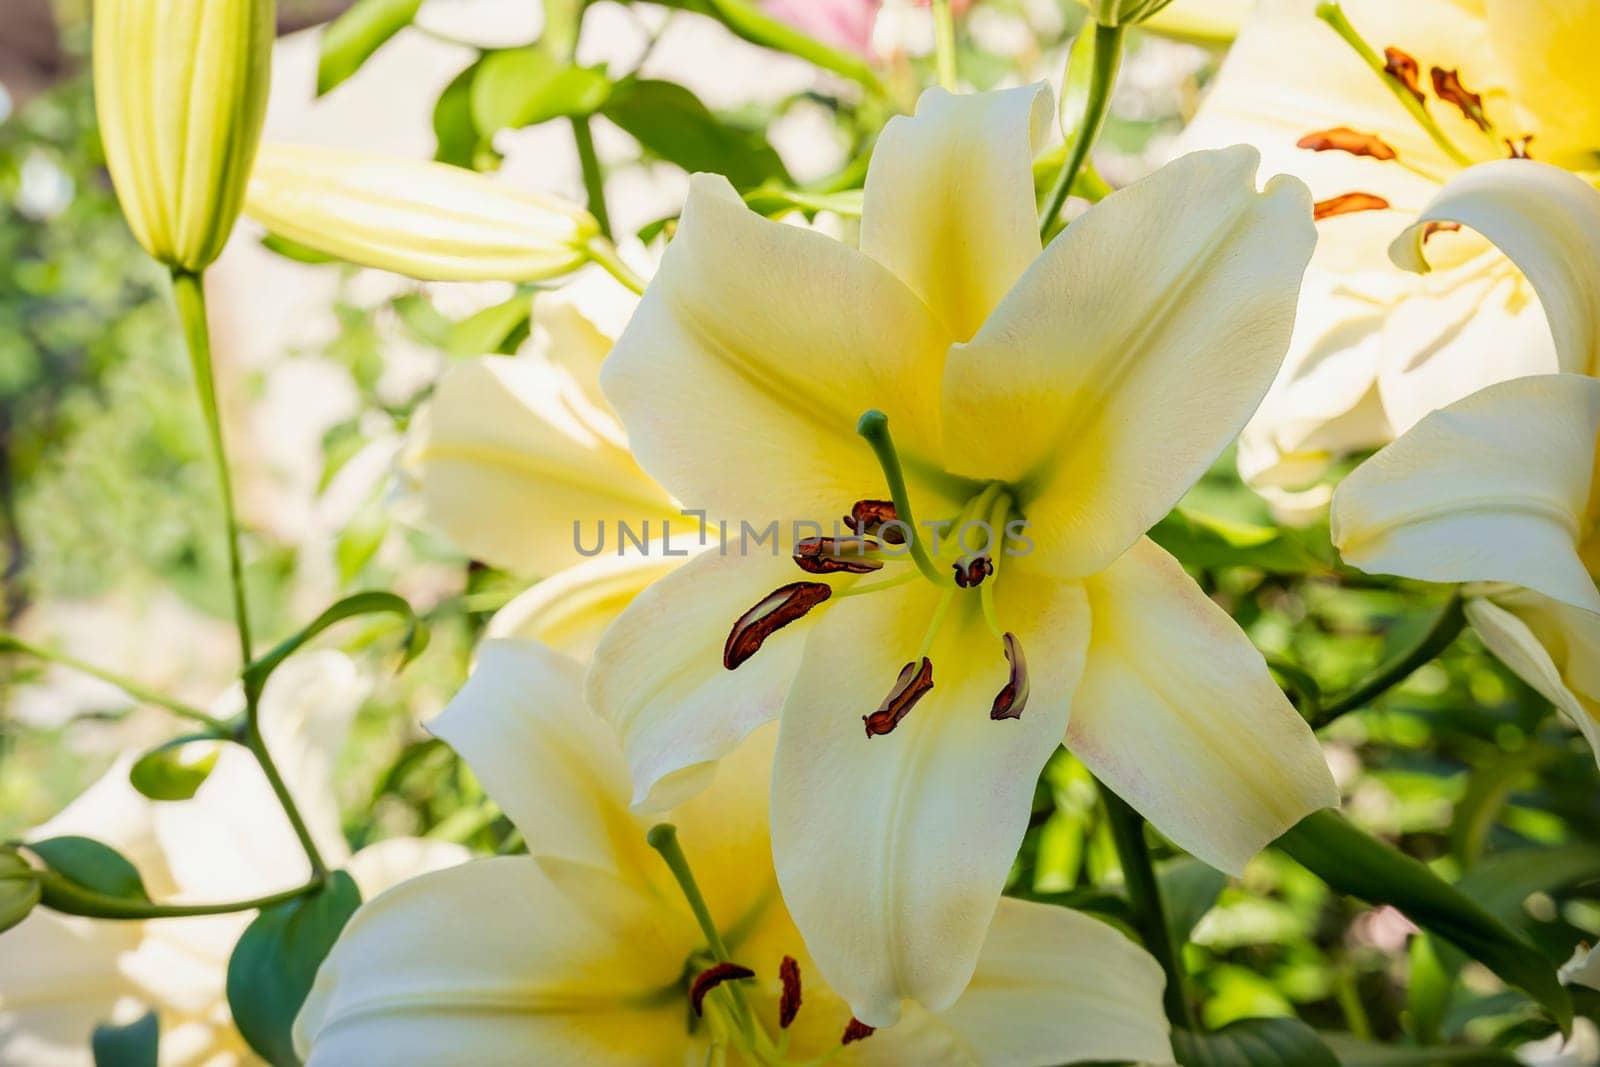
(1178, 715)
(1131, 353)
(752, 356)
(658, 675)
(950, 202)
(1553, 647)
(892, 850)
(504, 962)
(1495, 487)
(514, 463)
(1547, 49)
(1548, 222)
(1052, 986)
(59, 978)
(570, 610)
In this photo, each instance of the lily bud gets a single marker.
(181, 90)
(428, 220)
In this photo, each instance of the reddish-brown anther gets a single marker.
(710, 978)
(1344, 139)
(1404, 69)
(789, 1002)
(774, 611)
(1010, 701)
(832, 555)
(913, 684)
(868, 516)
(971, 572)
(1518, 149)
(1439, 227)
(1447, 87)
(855, 1030)
(1347, 203)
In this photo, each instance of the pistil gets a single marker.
(874, 426)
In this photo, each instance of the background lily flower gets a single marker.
(1081, 389)
(62, 975)
(1376, 349)
(586, 950)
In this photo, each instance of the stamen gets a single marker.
(916, 679)
(1403, 68)
(971, 572)
(1010, 701)
(855, 1030)
(869, 517)
(874, 426)
(710, 978)
(1347, 203)
(1519, 148)
(830, 555)
(1344, 139)
(1447, 87)
(772, 613)
(1439, 227)
(789, 1002)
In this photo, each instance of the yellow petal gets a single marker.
(425, 219)
(1551, 646)
(1178, 715)
(950, 203)
(570, 610)
(1548, 50)
(1131, 353)
(1495, 488)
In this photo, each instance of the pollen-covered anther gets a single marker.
(971, 572)
(772, 613)
(1403, 68)
(1344, 139)
(1518, 149)
(789, 1001)
(855, 1030)
(1013, 697)
(710, 978)
(1346, 204)
(913, 684)
(1439, 227)
(834, 555)
(1447, 87)
(869, 517)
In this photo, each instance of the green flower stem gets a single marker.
(73, 899)
(593, 179)
(1108, 42)
(1447, 625)
(874, 426)
(604, 254)
(1149, 914)
(12, 643)
(944, 43)
(189, 292)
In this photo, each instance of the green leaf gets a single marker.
(1503, 881)
(1190, 889)
(520, 87)
(175, 769)
(1254, 1043)
(370, 603)
(672, 123)
(749, 22)
(1353, 1052)
(273, 964)
(90, 865)
(19, 888)
(349, 40)
(137, 1044)
(453, 127)
(290, 249)
(773, 200)
(1353, 863)
(1207, 541)
(488, 330)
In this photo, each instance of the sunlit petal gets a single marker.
(1551, 646)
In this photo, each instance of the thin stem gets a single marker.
(593, 179)
(874, 426)
(84, 901)
(1144, 893)
(258, 746)
(13, 643)
(944, 43)
(603, 253)
(1102, 79)
(663, 837)
(1446, 626)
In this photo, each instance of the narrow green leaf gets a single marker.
(487, 331)
(294, 250)
(175, 769)
(349, 40)
(519, 87)
(1201, 540)
(1254, 1043)
(92, 865)
(1356, 1053)
(1504, 881)
(749, 22)
(369, 603)
(137, 1044)
(19, 889)
(1190, 889)
(276, 959)
(670, 122)
(453, 128)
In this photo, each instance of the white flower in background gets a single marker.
(587, 951)
(62, 975)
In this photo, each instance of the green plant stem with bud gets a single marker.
(944, 43)
(1107, 61)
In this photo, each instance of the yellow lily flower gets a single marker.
(1077, 392)
(424, 219)
(61, 975)
(1376, 348)
(181, 93)
(587, 950)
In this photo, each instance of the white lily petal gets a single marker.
(1178, 715)
(1495, 487)
(59, 978)
(949, 202)
(1548, 222)
(1551, 646)
(892, 850)
(570, 610)
(1152, 326)
(504, 959)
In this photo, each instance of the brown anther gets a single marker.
(972, 572)
(1439, 227)
(1518, 149)
(789, 1002)
(772, 613)
(710, 978)
(869, 516)
(1010, 701)
(1347, 203)
(1344, 139)
(855, 1030)
(1447, 87)
(1403, 68)
(831, 555)
(913, 684)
